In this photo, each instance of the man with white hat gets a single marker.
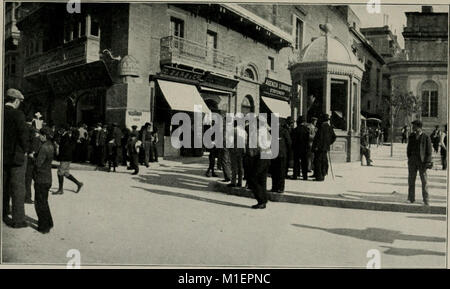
(15, 146)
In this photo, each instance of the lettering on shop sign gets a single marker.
(181, 73)
(272, 87)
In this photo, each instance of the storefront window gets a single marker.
(338, 104)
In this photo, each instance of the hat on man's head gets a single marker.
(417, 123)
(46, 131)
(38, 114)
(313, 118)
(325, 117)
(301, 119)
(134, 126)
(15, 93)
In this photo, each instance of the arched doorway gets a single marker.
(247, 105)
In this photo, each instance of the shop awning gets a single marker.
(213, 90)
(278, 106)
(182, 96)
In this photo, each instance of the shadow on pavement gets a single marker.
(430, 186)
(433, 218)
(374, 234)
(410, 252)
(179, 180)
(32, 223)
(191, 197)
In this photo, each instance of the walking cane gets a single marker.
(331, 167)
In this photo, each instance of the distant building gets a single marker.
(422, 68)
(12, 60)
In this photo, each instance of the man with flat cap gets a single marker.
(15, 146)
(419, 152)
(324, 138)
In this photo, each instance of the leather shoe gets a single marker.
(259, 206)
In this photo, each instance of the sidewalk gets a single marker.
(383, 186)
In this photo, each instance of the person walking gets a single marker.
(280, 162)
(65, 155)
(224, 156)
(443, 145)
(419, 152)
(301, 148)
(237, 154)
(258, 173)
(312, 127)
(147, 142)
(43, 180)
(404, 134)
(364, 147)
(154, 147)
(15, 147)
(324, 138)
(113, 140)
(212, 158)
(134, 146)
(436, 138)
(123, 144)
(33, 146)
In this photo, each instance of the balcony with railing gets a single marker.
(176, 50)
(81, 51)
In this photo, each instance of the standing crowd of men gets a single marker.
(30, 146)
(308, 145)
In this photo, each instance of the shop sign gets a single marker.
(138, 118)
(184, 74)
(275, 88)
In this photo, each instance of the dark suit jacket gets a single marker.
(300, 139)
(424, 147)
(284, 143)
(324, 138)
(15, 137)
(43, 164)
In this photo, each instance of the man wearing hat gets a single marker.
(43, 180)
(15, 146)
(300, 145)
(419, 152)
(324, 138)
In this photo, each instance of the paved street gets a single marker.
(170, 215)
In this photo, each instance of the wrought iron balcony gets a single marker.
(176, 50)
(83, 50)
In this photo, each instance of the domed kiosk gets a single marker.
(328, 78)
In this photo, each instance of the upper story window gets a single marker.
(271, 63)
(429, 92)
(249, 74)
(81, 26)
(298, 33)
(211, 39)
(176, 27)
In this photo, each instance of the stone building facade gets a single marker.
(422, 68)
(122, 62)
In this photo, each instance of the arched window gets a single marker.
(247, 105)
(248, 73)
(429, 92)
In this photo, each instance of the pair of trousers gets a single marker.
(258, 178)
(212, 159)
(29, 178)
(301, 160)
(414, 165)
(134, 162)
(41, 206)
(320, 165)
(237, 166)
(147, 152)
(278, 173)
(154, 153)
(14, 190)
(225, 163)
(444, 158)
(366, 153)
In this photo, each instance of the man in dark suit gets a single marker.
(419, 152)
(15, 146)
(300, 146)
(324, 138)
(280, 162)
